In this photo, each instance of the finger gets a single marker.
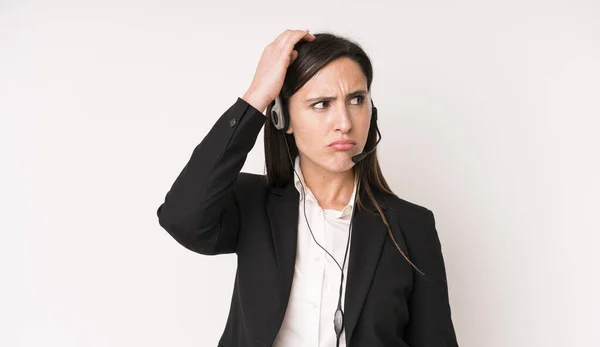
(293, 36)
(293, 56)
(301, 35)
(286, 33)
(309, 37)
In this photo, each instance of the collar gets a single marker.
(346, 211)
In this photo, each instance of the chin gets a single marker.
(342, 162)
(339, 161)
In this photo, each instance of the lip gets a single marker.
(342, 144)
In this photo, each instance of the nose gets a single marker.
(343, 121)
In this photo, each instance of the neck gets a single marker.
(333, 190)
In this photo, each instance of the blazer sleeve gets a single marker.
(200, 211)
(430, 323)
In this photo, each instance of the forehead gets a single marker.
(342, 73)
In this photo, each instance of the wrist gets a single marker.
(256, 101)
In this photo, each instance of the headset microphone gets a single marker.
(361, 156)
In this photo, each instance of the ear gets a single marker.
(290, 129)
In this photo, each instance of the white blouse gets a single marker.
(308, 320)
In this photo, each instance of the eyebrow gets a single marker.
(331, 98)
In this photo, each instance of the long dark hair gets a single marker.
(312, 57)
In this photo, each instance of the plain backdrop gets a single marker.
(489, 115)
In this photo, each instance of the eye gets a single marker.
(360, 98)
(320, 102)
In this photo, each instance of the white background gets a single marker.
(489, 115)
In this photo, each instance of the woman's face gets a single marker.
(333, 105)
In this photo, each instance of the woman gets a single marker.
(314, 268)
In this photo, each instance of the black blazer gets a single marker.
(213, 208)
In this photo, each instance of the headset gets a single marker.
(281, 120)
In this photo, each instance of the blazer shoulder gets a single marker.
(414, 220)
(250, 185)
(405, 209)
(252, 178)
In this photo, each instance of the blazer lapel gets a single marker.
(368, 236)
(282, 209)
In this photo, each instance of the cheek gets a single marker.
(309, 135)
(308, 139)
(365, 128)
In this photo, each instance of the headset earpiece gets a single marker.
(279, 118)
